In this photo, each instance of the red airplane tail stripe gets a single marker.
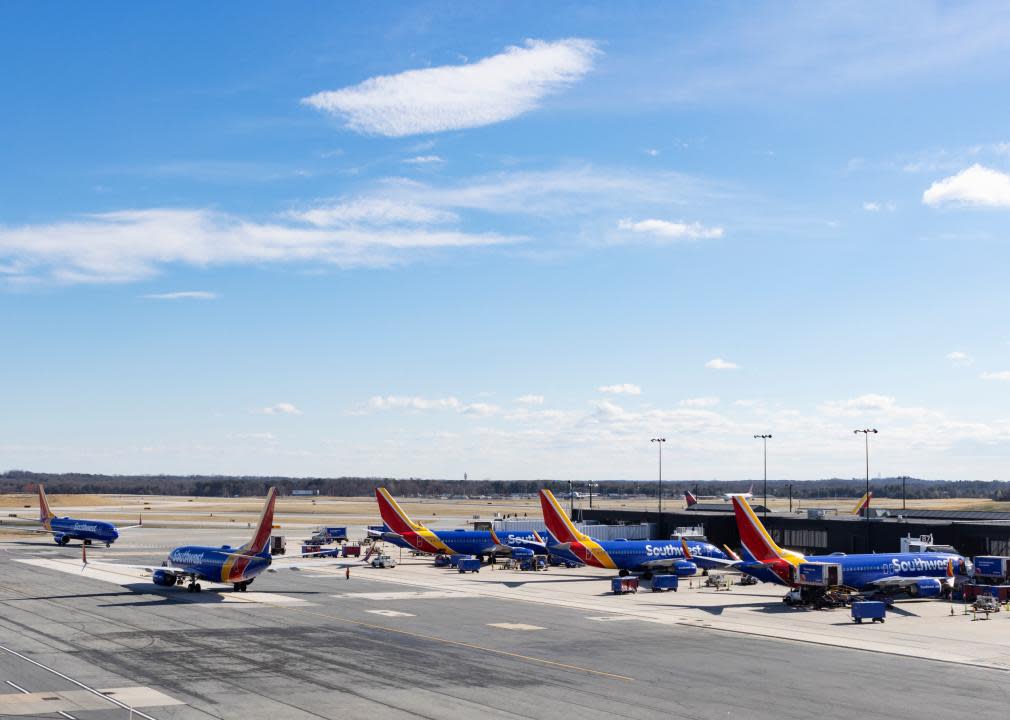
(690, 498)
(558, 526)
(261, 539)
(395, 519)
(753, 534)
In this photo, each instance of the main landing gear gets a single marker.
(194, 587)
(624, 573)
(241, 587)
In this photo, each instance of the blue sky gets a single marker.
(430, 239)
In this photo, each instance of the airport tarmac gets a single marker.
(416, 641)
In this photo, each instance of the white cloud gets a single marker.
(960, 358)
(530, 399)
(481, 409)
(394, 402)
(622, 389)
(1002, 375)
(131, 245)
(372, 211)
(183, 295)
(720, 364)
(452, 97)
(700, 402)
(424, 160)
(976, 186)
(864, 404)
(282, 408)
(873, 206)
(671, 230)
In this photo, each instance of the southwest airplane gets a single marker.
(220, 564)
(404, 532)
(916, 574)
(643, 556)
(65, 529)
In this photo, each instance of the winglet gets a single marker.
(730, 553)
(260, 541)
(690, 499)
(950, 568)
(686, 549)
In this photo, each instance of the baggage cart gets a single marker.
(663, 583)
(874, 610)
(622, 585)
(469, 564)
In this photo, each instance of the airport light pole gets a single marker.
(660, 441)
(764, 439)
(866, 510)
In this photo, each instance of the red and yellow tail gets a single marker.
(261, 539)
(753, 535)
(557, 520)
(45, 514)
(863, 505)
(393, 515)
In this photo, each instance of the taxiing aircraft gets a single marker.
(222, 564)
(915, 574)
(404, 532)
(65, 529)
(691, 499)
(645, 556)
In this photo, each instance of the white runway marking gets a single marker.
(610, 618)
(404, 595)
(391, 613)
(515, 626)
(131, 577)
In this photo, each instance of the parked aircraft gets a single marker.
(643, 556)
(222, 564)
(915, 574)
(404, 532)
(65, 529)
(863, 506)
(691, 499)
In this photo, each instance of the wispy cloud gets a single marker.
(1002, 376)
(975, 186)
(372, 211)
(960, 358)
(418, 403)
(183, 295)
(700, 402)
(424, 160)
(131, 245)
(667, 230)
(282, 408)
(621, 389)
(453, 97)
(530, 399)
(874, 206)
(720, 364)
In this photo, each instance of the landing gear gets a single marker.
(647, 575)
(194, 587)
(108, 544)
(87, 542)
(241, 587)
(624, 573)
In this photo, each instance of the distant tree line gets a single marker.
(252, 486)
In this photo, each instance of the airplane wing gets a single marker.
(897, 582)
(688, 555)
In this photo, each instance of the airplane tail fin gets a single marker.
(260, 541)
(863, 505)
(753, 535)
(729, 553)
(690, 498)
(557, 519)
(44, 512)
(393, 515)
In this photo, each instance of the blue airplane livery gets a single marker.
(915, 574)
(65, 529)
(222, 564)
(402, 531)
(626, 556)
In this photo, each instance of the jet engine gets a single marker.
(683, 568)
(927, 588)
(164, 578)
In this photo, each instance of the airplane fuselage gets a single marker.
(640, 555)
(218, 564)
(65, 529)
(861, 571)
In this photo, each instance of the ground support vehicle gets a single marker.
(874, 610)
(624, 584)
(664, 583)
(468, 564)
(383, 561)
